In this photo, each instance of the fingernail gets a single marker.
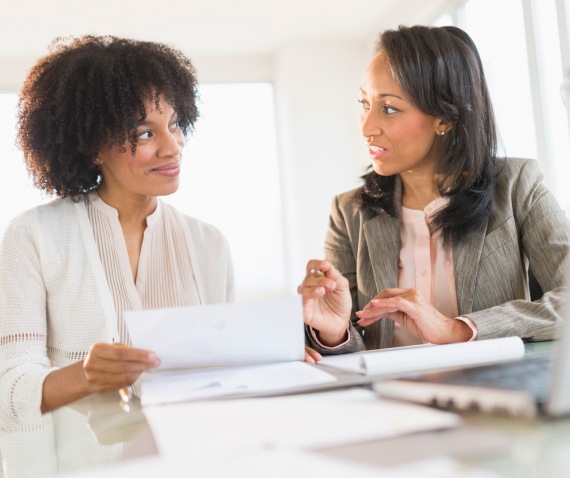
(151, 357)
(156, 363)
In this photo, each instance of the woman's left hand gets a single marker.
(411, 310)
(311, 355)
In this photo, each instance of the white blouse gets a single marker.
(165, 277)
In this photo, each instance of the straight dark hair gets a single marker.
(440, 72)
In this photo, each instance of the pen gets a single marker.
(317, 273)
(125, 392)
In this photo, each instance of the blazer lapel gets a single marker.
(382, 237)
(466, 257)
(382, 234)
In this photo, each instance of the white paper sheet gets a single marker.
(263, 331)
(170, 387)
(309, 421)
(427, 357)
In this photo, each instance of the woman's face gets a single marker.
(155, 167)
(400, 137)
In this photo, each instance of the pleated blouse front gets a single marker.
(164, 278)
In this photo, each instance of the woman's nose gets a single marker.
(171, 144)
(369, 124)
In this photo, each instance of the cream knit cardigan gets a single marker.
(55, 301)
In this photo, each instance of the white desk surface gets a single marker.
(509, 447)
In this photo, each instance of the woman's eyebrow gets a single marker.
(147, 122)
(383, 95)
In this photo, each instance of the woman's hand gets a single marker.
(411, 310)
(109, 367)
(311, 355)
(326, 301)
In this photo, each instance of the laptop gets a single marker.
(538, 385)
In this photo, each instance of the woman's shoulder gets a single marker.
(518, 177)
(513, 170)
(48, 214)
(348, 200)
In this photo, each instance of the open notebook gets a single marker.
(534, 386)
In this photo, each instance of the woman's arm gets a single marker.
(544, 237)
(105, 369)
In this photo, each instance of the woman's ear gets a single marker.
(442, 127)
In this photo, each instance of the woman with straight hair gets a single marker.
(436, 245)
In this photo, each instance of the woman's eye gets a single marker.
(389, 109)
(175, 125)
(364, 104)
(144, 134)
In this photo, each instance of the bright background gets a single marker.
(278, 134)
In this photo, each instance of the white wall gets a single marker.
(320, 148)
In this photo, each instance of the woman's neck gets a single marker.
(418, 190)
(132, 209)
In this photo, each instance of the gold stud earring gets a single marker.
(441, 133)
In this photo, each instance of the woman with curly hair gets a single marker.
(102, 125)
(436, 244)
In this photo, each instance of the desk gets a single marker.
(98, 430)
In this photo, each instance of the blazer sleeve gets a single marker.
(338, 251)
(544, 234)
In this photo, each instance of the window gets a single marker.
(230, 179)
(520, 45)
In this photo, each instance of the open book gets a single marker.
(428, 357)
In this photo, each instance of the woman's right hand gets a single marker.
(326, 301)
(109, 367)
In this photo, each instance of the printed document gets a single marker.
(261, 331)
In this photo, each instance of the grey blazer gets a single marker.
(526, 227)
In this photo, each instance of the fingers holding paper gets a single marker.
(326, 301)
(411, 310)
(311, 355)
(109, 367)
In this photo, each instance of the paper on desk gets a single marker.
(308, 421)
(427, 357)
(263, 331)
(178, 386)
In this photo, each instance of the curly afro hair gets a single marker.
(91, 91)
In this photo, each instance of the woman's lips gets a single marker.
(376, 152)
(171, 169)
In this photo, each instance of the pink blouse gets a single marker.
(426, 265)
